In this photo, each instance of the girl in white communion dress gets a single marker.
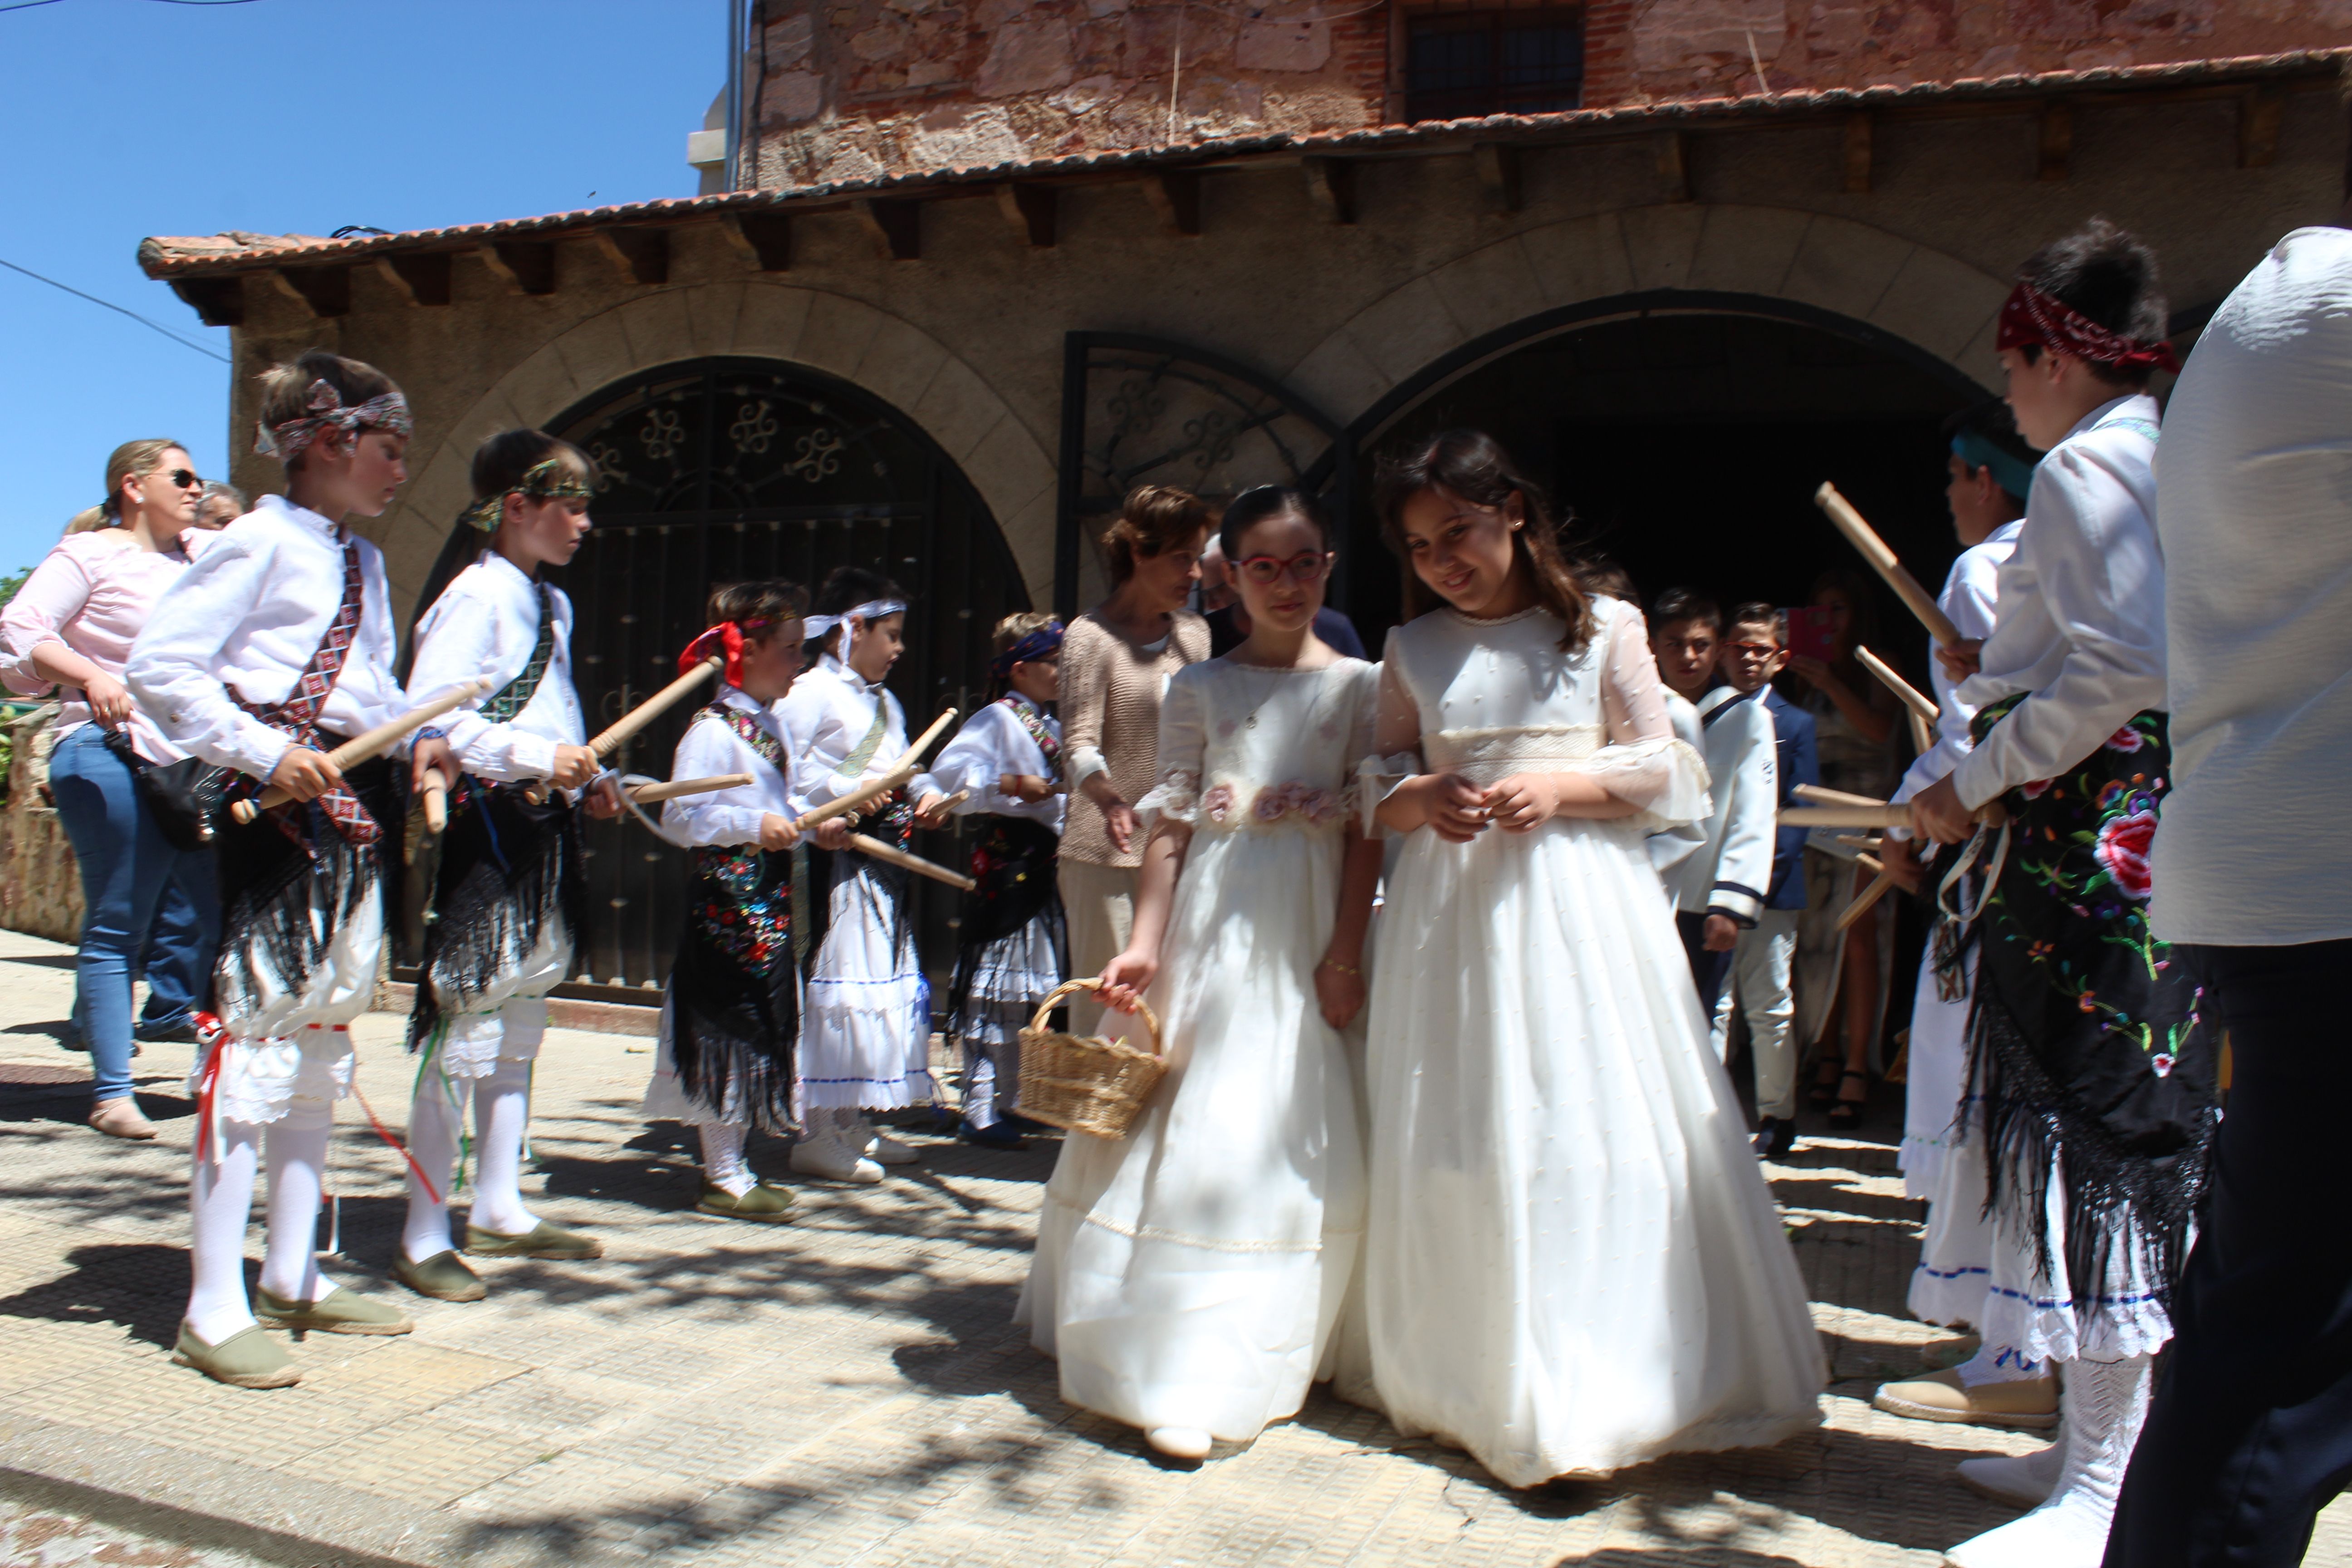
(1572, 1264)
(1188, 1276)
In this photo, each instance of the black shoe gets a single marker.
(1028, 1127)
(166, 1033)
(1775, 1138)
(999, 1136)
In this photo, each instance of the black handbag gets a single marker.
(184, 797)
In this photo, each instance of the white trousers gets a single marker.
(1762, 969)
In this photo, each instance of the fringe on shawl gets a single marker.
(491, 919)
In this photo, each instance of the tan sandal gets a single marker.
(120, 1118)
(247, 1359)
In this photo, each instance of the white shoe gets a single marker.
(2105, 1403)
(825, 1153)
(883, 1148)
(1179, 1442)
(2020, 1480)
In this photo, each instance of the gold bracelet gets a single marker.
(1342, 968)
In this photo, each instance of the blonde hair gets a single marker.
(87, 520)
(132, 459)
(1013, 628)
(285, 388)
(1155, 519)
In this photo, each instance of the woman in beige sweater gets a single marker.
(1116, 661)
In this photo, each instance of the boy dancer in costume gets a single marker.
(731, 1012)
(866, 1036)
(1015, 944)
(274, 647)
(2097, 1079)
(1992, 469)
(506, 897)
(1719, 888)
(1763, 964)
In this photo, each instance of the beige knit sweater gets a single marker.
(1111, 700)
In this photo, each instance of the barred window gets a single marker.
(1462, 64)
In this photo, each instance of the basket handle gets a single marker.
(1068, 988)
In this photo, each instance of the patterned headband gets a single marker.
(2029, 316)
(387, 412)
(1035, 645)
(549, 479)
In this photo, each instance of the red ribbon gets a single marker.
(2029, 316)
(727, 637)
(209, 1031)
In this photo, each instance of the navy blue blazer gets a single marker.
(1792, 727)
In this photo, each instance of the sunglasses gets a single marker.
(182, 478)
(1307, 568)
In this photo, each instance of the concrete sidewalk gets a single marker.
(845, 1389)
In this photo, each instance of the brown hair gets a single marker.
(1013, 628)
(1862, 600)
(1472, 464)
(1155, 519)
(132, 459)
(500, 462)
(1757, 613)
(773, 601)
(285, 388)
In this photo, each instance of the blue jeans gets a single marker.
(127, 868)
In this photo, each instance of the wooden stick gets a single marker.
(647, 794)
(1814, 794)
(1911, 697)
(373, 743)
(1923, 735)
(1858, 841)
(1868, 897)
(873, 790)
(653, 708)
(1847, 817)
(1888, 565)
(915, 863)
(437, 801)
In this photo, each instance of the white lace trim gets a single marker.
(1377, 779)
(1488, 754)
(1175, 798)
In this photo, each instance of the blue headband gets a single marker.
(1035, 645)
(2011, 472)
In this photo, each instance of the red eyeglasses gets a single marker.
(1306, 568)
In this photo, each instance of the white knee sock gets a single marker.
(220, 1206)
(298, 1173)
(502, 1116)
(435, 1116)
(1999, 1363)
(2105, 1405)
(723, 1159)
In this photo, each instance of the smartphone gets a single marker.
(1810, 633)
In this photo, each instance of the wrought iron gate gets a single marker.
(726, 470)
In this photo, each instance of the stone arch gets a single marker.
(1940, 305)
(882, 354)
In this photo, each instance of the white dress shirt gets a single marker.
(486, 623)
(1970, 591)
(991, 744)
(2255, 510)
(245, 619)
(1732, 871)
(2079, 623)
(827, 715)
(710, 748)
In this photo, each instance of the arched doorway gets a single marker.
(724, 471)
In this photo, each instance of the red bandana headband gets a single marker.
(325, 411)
(726, 638)
(2029, 316)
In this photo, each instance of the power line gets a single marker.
(28, 4)
(185, 342)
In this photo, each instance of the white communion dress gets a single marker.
(1190, 1274)
(1571, 1263)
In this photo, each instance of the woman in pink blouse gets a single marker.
(70, 626)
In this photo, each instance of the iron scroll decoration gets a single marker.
(730, 471)
(1144, 410)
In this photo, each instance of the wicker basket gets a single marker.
(1093, 1086)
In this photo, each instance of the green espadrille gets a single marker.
(444, 1276)
(247, 1359)
(762, 1203)
(543, 1240)
(339, 1312)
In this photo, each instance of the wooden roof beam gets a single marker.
(896, 223)
(420, 279)
(763, 239)
(2259, 113)
(1175, 195)
(1861, 129)
(1673, 166)
(638, 254)
(217, 301)
(1498, 173)
(1331, 188)
(2054, 155)
(525, 266)
(1030, 209)
(324, 291)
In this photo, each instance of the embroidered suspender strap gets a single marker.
(298, 715)
(854, 764)
(1034, 722)
(515, 695)
(747, 729)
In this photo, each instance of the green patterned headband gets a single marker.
(549, 479)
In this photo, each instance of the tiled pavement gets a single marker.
(847, 1389)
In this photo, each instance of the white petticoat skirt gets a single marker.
(285, 1040)
(2030, 1315)
(865, 1030)
(509, 1020)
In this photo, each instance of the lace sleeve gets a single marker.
(1175, 796)
(1393, 728)
(1645, 763)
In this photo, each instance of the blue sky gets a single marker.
(121, 119)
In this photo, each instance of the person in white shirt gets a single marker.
(1989, 470)
(2250, 1433)
(1015, 942)
(731, 1012)
(277, 644)
(1718, 888)
(2096, 1075)
(865, 1035)
(505, 891)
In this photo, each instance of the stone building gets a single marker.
(993, 262)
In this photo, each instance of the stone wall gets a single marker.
(41, 886)
(850, 90)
